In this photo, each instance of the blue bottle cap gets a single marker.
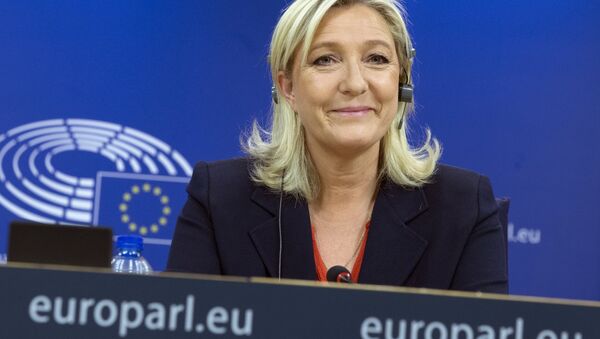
(132, 242)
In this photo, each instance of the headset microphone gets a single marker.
(339, 274)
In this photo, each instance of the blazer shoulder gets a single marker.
(221, 178)
(450, 182)
(230, 170)
(455, 174)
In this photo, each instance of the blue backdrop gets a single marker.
(105, 105)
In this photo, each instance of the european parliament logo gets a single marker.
(91, 172)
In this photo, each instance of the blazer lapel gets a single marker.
(393, 249)
(297, 251)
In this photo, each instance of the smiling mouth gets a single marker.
(353, 111)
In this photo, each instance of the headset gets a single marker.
(406, 90)
(405, 95)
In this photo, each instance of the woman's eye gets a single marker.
(378, 59)
(325, 60)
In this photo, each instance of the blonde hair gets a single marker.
(281, 150)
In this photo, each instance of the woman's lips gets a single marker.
(353, 111)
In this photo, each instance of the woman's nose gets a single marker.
(353, 82)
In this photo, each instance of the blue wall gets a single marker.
(510, 89)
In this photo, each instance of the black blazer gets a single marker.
(445, 235)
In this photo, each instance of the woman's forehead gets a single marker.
(356, 24)
(352, 22)
(361, 25)
(353, 17)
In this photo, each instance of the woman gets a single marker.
(334, 182)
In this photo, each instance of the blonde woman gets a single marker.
(334, 182)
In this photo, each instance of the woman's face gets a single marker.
(346, 93)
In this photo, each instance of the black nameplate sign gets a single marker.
(66, 303)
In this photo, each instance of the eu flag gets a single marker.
(145, 205)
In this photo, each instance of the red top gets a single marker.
(322, 269)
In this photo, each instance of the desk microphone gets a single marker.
(339, 274)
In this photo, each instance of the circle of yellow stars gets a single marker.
(145, 188)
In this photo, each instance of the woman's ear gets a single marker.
(284, 83)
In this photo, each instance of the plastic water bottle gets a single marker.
(129, 256)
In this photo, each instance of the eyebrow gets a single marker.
(370, 43)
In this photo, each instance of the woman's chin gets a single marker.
(354, 146)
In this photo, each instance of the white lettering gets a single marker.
(58, 310)
(524, 235)
(132, 314)
(112, 313)
(246, 328)
(415, 326)
(436, 325)
(505, 332)
(389, 329)
(217, 315)
(370, 326)
(84, 306)
(155, 320)
(189, 313)
(373, 328)
(40, 303)
(519, 329)
(125, 322)
(173, 315)
(547, 334)
(465, 329)
(486, 332)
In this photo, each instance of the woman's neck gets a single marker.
(346, 182)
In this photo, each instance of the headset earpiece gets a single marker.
(405, 91)
(274, 95)
(405, 94)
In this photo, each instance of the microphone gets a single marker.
(339, 274)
